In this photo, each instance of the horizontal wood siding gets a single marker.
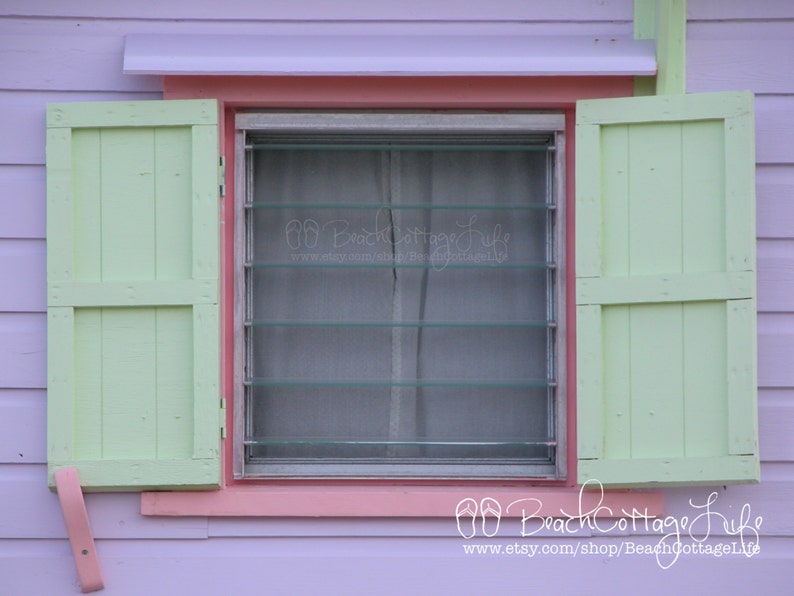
(386, 567)
(341, 10)
(72, 51)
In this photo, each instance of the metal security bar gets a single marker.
(264, 389)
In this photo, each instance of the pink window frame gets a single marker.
(387, 497)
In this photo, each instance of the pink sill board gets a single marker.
(400, 501)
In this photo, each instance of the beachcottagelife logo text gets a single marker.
(339, 241)
(688, 534)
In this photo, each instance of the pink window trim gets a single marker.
(384, 498)
(400, 501)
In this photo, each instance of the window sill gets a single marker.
(399, 501)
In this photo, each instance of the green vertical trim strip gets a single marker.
(617, 415)
(664, 21)
(644, 28)
(644, 19)
(671, 47)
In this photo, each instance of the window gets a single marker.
(401, 294)
(665, 290)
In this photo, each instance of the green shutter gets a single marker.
(132, 271)
(665, 290)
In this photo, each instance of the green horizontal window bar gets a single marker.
(388, 265)
(424, 324)
(428, 206)
(392, 147)
(263, 441)
(509, 384)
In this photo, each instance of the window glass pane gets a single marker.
(400, 306)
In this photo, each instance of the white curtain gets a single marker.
(362, 342)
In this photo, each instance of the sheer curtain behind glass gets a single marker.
(398, 305)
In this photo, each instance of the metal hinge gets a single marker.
(223, 418)
(222, 175)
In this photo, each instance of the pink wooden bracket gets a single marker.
(79, 530)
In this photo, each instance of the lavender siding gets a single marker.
(53, 51)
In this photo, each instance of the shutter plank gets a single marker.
(655, 205)
(175, 384)
(128, 215)
(617, 431)
(704, 395)
(616, 212)
(88, 393)
(173, 209)
(703, 192)
(128, 383)
(87, 180)
(656, 368)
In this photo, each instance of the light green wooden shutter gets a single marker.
(665, 290)
(132, 269)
